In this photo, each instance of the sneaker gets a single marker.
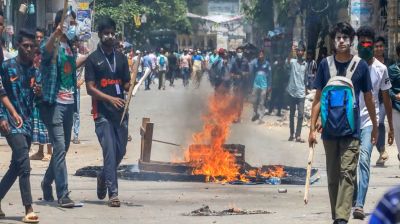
(114, 202)
(47, 192)
(66, 202)
(291, 138)
(76, 141)
(358, 213)
(340, 221)
(383, 157)
(255, 117)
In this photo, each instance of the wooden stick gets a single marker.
(57, 41)
(147, 72)
(309, 165)
(131, 86)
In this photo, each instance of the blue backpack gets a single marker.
(338, 101)
(162, 61)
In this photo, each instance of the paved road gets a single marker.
(176, 113)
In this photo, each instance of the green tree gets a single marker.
(318, 16)
(160, 14)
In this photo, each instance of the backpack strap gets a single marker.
(352, 66)
(332, 67)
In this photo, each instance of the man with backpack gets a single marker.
(339, 82)
(162, 65)
(380, 83)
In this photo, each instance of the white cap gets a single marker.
(138, 52)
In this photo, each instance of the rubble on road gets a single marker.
(206, 211)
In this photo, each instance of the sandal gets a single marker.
(114, 202)
(31, 218)
(36, 156)
(298, 139)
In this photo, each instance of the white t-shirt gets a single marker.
(165, 65)
(380, 81)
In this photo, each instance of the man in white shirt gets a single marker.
(380, 82)
(162, 65)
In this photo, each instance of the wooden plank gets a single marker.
(145, 120)
(162, 167)
(148, 140)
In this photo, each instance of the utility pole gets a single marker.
(393, 35)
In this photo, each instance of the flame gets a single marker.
(276, 171)
(208, 157)
(207, 154)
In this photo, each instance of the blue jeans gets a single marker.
(58, 119)
(380, 144)
(185, 76)
(76, 118)
(113, 139)
(363, 170)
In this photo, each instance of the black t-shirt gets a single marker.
(172, 61)
(99, 69)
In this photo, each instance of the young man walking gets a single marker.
(394, 75)
(380, 84)
(261, 70)
(240, 72)
(379, 54)
(107, 79)
(58, 103)
(16, 83)
(297, 92)
(341, 137)
(162, 65)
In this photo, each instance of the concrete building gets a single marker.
(220, 24)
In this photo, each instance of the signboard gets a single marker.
(84, 24)
(83, 5)
(361, 12)
(226, 7)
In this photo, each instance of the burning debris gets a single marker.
(206, 211)
(208, 158)
(209, 155)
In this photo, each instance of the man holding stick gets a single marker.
(341, 140)
(107, 78)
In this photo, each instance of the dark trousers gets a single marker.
(293, 102)
(239, 91)
(58, 119)
(19, 167)
(277, 100)
(172, 74)
(113, 139)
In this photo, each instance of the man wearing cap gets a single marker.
(140, 68)
(297, 91)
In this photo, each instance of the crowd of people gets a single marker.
(40, 88)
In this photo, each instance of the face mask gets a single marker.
(240, 55)
(365, 53)
(71, 32)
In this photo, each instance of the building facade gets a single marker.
(220, 24)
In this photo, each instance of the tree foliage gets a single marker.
(160, 14)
